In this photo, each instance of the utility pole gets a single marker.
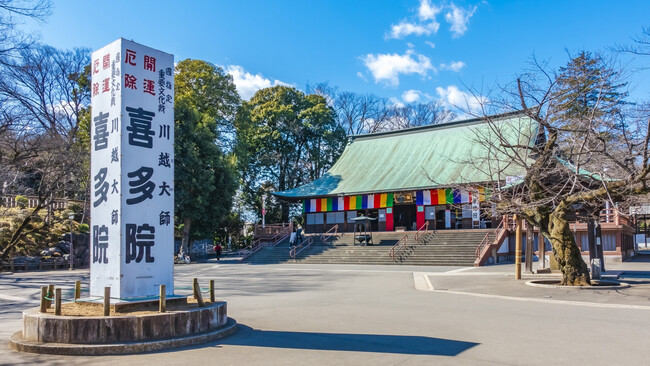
(263, 210)
(71, 217)
(517, 248)
(530, 241)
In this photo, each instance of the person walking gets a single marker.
(218, 250)
(299, 235)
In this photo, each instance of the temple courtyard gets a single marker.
(309, 314)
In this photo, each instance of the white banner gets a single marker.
(132, 167)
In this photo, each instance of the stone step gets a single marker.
(456, 248)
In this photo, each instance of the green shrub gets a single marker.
(22, 201)
(84, 228)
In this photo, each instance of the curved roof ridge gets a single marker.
(451, 124)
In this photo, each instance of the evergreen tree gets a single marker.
(205, 177)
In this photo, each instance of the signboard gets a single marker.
(132, 170)
(476, 212)
(466, 211)
(447, 219)
(640, 210)
(513, 179)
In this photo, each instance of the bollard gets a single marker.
(57, 303)
(77, 290)
(211, 291)
(162, 303)
(50, 294)
(43, 301)
(197, 292)
(11, 265)
(107, 301)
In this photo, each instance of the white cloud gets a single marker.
(395, 102)
(427, 11)
(404, 29)
(459, 19)
(411, 96)
(430, 44)
(247, 84)
(388, 67)
(361, 76)
(464, 101)
(455, 66)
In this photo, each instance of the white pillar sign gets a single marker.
(132, 170)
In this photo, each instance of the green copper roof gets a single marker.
(432, 156)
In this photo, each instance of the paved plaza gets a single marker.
(297, 314)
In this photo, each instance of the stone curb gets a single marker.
(615, 285)
(17, 343)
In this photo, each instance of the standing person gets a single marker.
(218, 249)
(299, 234)
(292, 239)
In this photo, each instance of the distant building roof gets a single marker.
(440, 155)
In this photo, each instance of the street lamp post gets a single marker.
(71, 217)
(263, 210)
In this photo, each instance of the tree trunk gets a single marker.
(187, 225)
(17, 234)
(574, 269)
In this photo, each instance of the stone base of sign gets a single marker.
(70, 335)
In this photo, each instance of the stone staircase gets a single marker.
(442, 248)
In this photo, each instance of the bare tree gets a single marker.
(11, 13)
(45, 95)
(417, 114)
(579, 144)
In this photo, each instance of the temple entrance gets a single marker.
(374, 224)
(440, 217)
(404, 217)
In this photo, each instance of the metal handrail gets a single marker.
(422, 230)
(336, 231)
(486, 240)
(398, 246)
(294, 252)
(278, 238)
(251, 249)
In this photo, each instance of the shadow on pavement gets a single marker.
(376, 343)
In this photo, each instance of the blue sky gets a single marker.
(407, 50)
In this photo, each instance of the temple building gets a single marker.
(438, 174)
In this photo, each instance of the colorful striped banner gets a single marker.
(318, 204)
(434, 196)
(457, 198)
(426, 197)
(464, 196)
(442, 197)
(384, 200)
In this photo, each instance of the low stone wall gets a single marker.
(39, 327)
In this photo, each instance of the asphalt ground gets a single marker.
(297, 314)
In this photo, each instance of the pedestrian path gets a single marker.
(499, 282)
